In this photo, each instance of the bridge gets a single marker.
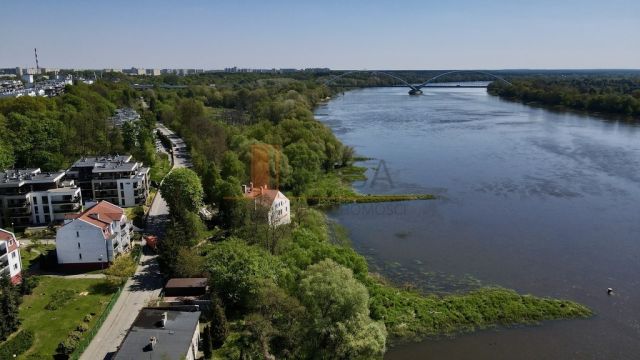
(417, 89)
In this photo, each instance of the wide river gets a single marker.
(542, 202)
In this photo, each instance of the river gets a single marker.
(542, 202)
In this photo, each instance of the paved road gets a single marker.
(143, 287)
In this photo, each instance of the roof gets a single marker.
(6, 235)
(20, 177)
(263, 195)
(173, 340)
(186, 283)
(91, 161)
(102, 214)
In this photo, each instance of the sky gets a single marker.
(345, 34)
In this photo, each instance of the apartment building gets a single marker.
(32, 197)
(10, 263)
(93, 239)
(115, 179)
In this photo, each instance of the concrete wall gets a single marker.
(91, 240)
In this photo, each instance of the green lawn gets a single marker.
(160, 169)
(30, 253)
(50, 327)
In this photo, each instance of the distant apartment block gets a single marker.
(10, 262)
(94, 238)
(31, 197)
(115, 179)
(153, 72)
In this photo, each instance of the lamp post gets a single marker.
(101, 263)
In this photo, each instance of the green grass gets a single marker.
(50, 327)
(30, 253)
(410, 315)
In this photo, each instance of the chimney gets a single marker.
(152, 342)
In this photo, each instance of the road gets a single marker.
(143, 287)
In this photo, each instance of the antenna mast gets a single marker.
(35, 51)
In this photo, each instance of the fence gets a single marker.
(89, 335)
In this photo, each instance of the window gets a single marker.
(121, 186)
(35, 200)
(47, 218)
(37, 209)
(45, 199)
(77, 233)
(78, 245)
(15, 266)
(122, 202)
(13, 254)
(37, 218)
(80, 256)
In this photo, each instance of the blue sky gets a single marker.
(346, 34)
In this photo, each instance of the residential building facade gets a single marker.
(276, 203)
(115, 179)
(31, 197)
(93, 239)
(10, 262)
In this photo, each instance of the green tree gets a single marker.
(207, 348)
(182, 191)
(338, 313)
(190, 263)
(231, 166)
(219, 329)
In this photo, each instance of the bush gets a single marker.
(20, 343)
(82, 327)
(67, 346)
(59, 298)
(87, 318)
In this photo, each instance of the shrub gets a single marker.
(87, 318)
(67, 346)
(17, 345)
(82, 327)
(59, 298)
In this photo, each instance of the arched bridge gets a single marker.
(415, 89)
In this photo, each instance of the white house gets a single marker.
(279, 212)
(94, 238)
(10, 263)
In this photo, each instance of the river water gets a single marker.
(541, 202)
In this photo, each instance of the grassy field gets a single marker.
(50, 327)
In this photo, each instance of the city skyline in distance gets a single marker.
(357, 35)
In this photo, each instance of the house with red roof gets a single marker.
(273, 201)
(10, 262)
(93, 239)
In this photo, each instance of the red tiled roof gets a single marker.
(5, 235)
(12, 243)
(102, 214)
(264, 196)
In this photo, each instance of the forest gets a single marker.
(594, 94)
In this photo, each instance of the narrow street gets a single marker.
(140, 289)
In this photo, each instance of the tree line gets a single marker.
(597, 94)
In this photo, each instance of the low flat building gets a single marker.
(276, 203)
(93, 239)
(32, 197)
(10, 262)
(162, 334)
(115, 179)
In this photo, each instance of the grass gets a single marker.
(409, 315)
(50, 327)
(30, 253)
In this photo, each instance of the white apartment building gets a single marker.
(10, 262)
(32, 197)
(93, 239)
(115, 179)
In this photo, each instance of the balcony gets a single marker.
(66, 208)
(66, 200)
(3, 251)
(18, 204)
